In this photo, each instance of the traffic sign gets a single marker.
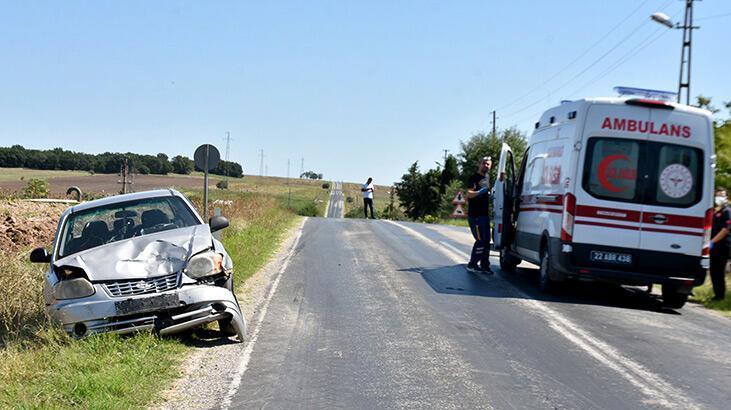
(459, 212)
(459, 199)
(206, 157)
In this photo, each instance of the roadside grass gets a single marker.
(454, 222)
(704, 295)
(105, 371)
(41, 367)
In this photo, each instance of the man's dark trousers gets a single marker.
(719, 258)
(480, 227)
(368, 202)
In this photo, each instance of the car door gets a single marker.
(503, 199)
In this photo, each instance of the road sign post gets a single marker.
(206, 158)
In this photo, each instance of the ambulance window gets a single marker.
(679, 175)
(611, 169)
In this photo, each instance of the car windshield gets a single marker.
(98, 226)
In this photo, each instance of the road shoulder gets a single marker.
(206, 373)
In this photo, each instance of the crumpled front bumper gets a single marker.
(198, 305)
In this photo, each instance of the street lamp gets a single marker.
(663, 19)
(685, 51)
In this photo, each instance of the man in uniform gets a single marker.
(720, 244)
(478, 199)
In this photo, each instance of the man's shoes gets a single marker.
(486, 270)
(473, 268)
(717, 298)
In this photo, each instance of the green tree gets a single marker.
(449, 173)
(182, 165)
(481, 145)
(419, 192)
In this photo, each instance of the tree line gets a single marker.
(106, 163)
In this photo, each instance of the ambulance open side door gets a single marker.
(503, 199)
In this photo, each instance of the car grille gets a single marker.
(142, 286)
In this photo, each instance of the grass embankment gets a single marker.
(42, 367)
(704, 295)
(14, 174)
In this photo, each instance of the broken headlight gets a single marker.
(73, 289)
(204, 264)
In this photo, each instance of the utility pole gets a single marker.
(302, 166)
(124, 174)
(494, 124)
(266, 170)
(685, 52)
(445, 157)
(228, 150)
(261, 162)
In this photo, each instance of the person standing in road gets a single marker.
(367, 190)
(478, 216)
(720, 244)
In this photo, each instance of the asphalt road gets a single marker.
(374, 314)
(336, 206)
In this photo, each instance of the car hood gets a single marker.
(151, 255)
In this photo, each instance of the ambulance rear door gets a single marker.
(674, 205)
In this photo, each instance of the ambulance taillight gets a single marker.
(707, 224)
(567, 219)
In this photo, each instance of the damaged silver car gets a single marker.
(139, 261)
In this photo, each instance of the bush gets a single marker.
(36, 188)
(349, 199)
(326, 185)
(223, 184)
(309, 209)
(430, 219)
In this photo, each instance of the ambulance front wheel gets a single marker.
(508, 262)
(546, 283)
(672, 298)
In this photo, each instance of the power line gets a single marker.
(713, 17)
(579, 57)
(583, 71)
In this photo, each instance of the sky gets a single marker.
(357, 89)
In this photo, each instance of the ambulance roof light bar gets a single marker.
(646, 93)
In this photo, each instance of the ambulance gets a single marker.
(613, 189)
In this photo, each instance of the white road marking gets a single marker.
(244, 364)
(657, 391)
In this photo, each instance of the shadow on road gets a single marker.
(455, 280)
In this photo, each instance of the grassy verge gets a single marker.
(704, 295)
(105, 371)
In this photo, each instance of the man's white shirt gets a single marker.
(368, 193)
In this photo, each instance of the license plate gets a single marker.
(149, 304)
(611, 257)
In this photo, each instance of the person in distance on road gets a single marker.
(478, 216)
(720, 244)
(367, 190)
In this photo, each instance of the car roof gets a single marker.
(122, 198)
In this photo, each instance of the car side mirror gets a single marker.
(40, 255)
(217, 223)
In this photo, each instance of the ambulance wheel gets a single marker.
(545, 282)
(672, 298)
(508, 262)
